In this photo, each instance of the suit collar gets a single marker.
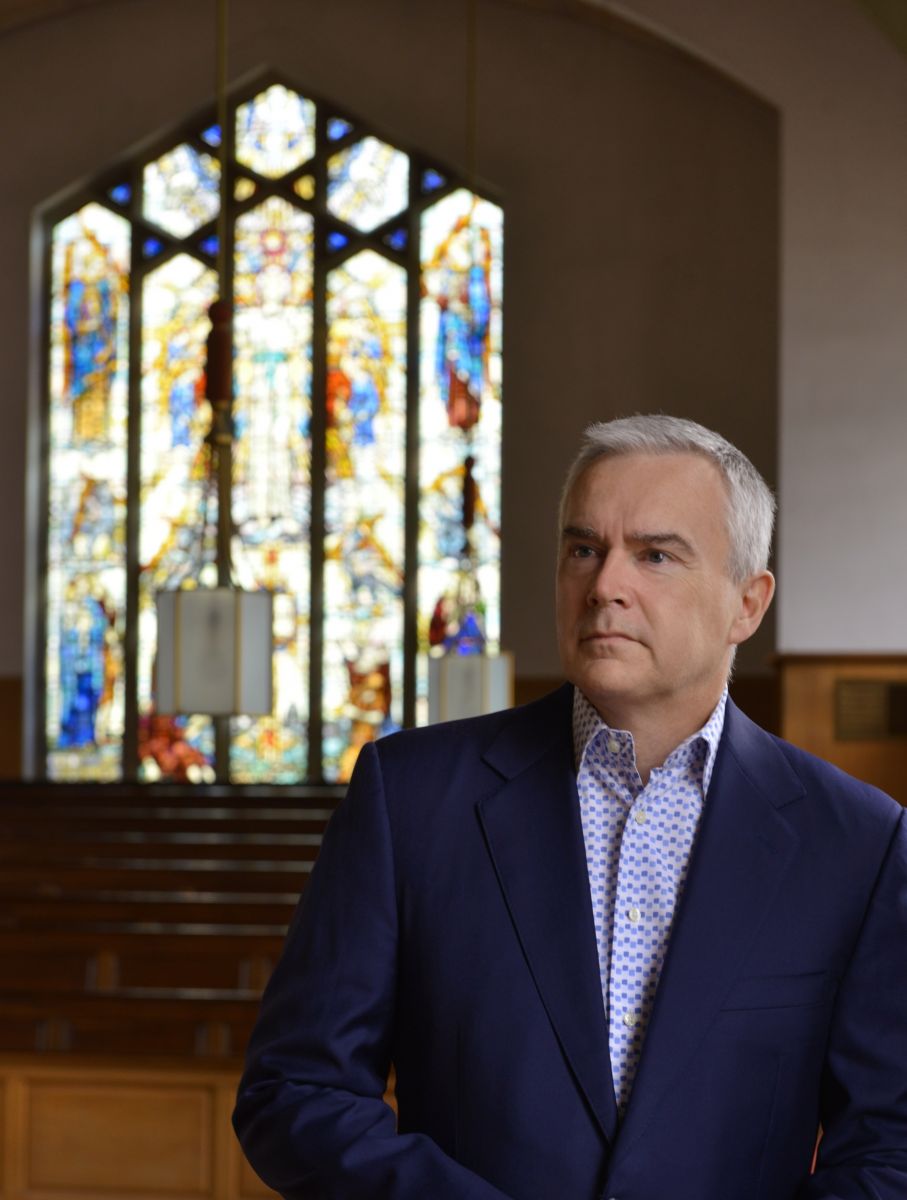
(744, 848)
(534, 836)
(530, 732)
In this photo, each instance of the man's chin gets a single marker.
(604, 676)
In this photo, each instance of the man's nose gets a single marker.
(610, 584)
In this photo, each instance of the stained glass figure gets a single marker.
(288, 244)
(275, 132)
(174, 489)
(86, 568)
(460, 406)
(368, 183)
(364, 508)
(272, 463)
(181, 190)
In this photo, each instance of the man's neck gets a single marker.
(656, 732)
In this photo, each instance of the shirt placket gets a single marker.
(636, 942)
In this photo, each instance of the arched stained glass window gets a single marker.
(366, 285)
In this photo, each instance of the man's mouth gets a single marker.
(606, 635)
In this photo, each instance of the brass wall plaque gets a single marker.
(870, 709)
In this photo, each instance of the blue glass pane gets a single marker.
(397, 239)
(337, 128)
(209, 245)
(336, 241)
(121, 194)
(469, 638)
(432, 180)
(212, 135)
(151, 247)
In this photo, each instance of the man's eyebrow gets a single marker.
(663, 539)
(643, 539)
(669, 538)
(579, 531)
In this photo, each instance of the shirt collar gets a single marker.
(587, 724)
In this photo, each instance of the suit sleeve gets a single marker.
(309, 1113)
(863, 1151)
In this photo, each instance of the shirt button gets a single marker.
(634, 914)
(630, 1020)
(640, 816)
(613, 745)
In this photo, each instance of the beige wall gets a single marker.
(841, 90)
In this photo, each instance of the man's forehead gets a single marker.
(632, 461)
(672, 494)
(640, 474)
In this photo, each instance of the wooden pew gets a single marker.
(131, 916)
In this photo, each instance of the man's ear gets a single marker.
(754, 598)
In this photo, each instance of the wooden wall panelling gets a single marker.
(80, 1129)
(4, 1149)
(13, 1135)
(808, 684)
(129, 1137)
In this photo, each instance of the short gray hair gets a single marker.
(750, 503)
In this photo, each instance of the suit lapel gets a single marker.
(534, 835)
(744, 847)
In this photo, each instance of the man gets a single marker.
(620, 942)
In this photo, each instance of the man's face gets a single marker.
(646, 611)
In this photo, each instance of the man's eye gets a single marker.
(581, 552)
(657, 556)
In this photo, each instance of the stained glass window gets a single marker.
(460, 404)
(365, 564)
(175, 420)
(367, 183)
(366, 290)
(86, 537)
(181, 190)
(272, 469)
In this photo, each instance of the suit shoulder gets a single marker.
(444, 738)
(472, 736)
(789, 772)
(857, 808)
(818, 772)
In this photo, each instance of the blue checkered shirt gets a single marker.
(638, 843)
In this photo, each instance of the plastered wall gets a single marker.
(841, 91)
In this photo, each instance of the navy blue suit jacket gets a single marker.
(447, 928)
